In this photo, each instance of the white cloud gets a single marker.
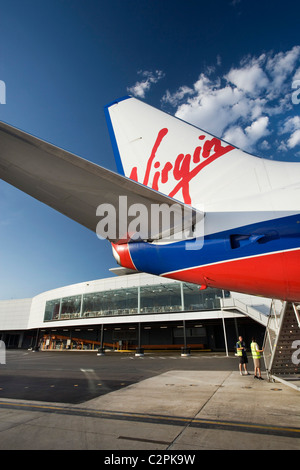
(216, 108)
(244, 104)
(292, 126)
(265, 145)
(258, 128)
(294, 139)
(280, 67)
(297, 75)
(174, 98)
(247, 138)
(250, 79)
(141, 87)
(236, 136)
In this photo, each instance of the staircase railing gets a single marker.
(281, 337)
(250, 311)
(271, 334)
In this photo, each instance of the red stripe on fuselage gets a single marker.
(124, 254)
(273, 275)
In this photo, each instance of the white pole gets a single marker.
(224, 329)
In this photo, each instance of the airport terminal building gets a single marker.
(125, 312)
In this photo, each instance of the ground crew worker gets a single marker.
(241, 352)
(256, 359)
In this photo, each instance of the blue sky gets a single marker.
(226, 65)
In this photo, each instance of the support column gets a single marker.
(225, 336)
(185, 351)
(101, 351)
(21, 340)
(69, 341)
(139, 349)
(36, 345)
(224, 328)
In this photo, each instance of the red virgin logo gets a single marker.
(184, 168)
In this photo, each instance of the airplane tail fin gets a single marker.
(165, 153)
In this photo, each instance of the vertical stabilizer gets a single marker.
(163, 152)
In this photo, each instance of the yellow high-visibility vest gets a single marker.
(239, 351)
(255, 353)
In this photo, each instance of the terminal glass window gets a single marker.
(70, 307)
(158, 298)
(52, 310)
(113, 302)
(161, 298)
(196, 299)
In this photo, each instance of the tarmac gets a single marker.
(176, 411)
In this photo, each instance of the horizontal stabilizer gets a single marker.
(76, 187)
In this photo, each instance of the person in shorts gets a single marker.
(242, 354)
(256, 356)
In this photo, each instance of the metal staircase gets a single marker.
(253, 311)
(282, 344)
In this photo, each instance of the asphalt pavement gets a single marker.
(162, 403)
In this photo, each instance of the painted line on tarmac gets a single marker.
(159, 419)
